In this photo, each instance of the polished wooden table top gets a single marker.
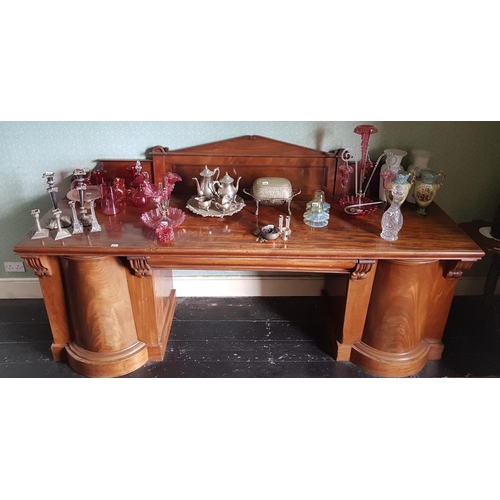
(230, 242)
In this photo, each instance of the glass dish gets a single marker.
(358, 205)
(174, 216)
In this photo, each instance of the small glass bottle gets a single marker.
(392, 220)
(319, 196)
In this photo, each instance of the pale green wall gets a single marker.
(466, 151)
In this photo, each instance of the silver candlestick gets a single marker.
(285, 232)
(61, 233)
(77, 227)
(84, 218)
(39, 233)
(50, 181)
(95, 228)
(52, 190)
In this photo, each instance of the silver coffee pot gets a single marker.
(206, 187)
(226, 188)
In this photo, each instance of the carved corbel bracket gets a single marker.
(36, 264)
(456, 268)
(140, 266)
(363, 267)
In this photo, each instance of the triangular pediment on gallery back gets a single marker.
(247, 145)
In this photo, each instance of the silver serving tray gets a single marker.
(213, 211)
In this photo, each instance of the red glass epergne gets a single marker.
(359, 203)
(163, 219)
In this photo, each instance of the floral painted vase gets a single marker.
(427, 184)
(420, 161)
(401, 178)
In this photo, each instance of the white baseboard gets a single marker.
(248, 286)
(198, 286)
(21, 288)
(231, 286)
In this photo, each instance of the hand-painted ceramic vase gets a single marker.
(420, 161)
(427, 184)
(403, 179)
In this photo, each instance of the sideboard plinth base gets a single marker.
(386, 364)
(107, 364)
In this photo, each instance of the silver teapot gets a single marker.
(226, 188)
(206, 187)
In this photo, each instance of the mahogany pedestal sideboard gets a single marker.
(109, 294)
(110, 300)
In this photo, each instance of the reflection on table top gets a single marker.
(433, 236)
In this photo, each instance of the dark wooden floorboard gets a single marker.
(262, 331)
(23, 311)
(39, 369)
(15, 332)
(249, 308)
(225, 369)
(253, 337)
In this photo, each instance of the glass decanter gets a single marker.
(392, 220)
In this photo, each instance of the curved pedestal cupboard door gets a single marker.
(104, 338)
(406, 318)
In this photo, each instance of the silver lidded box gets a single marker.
(272, 191)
